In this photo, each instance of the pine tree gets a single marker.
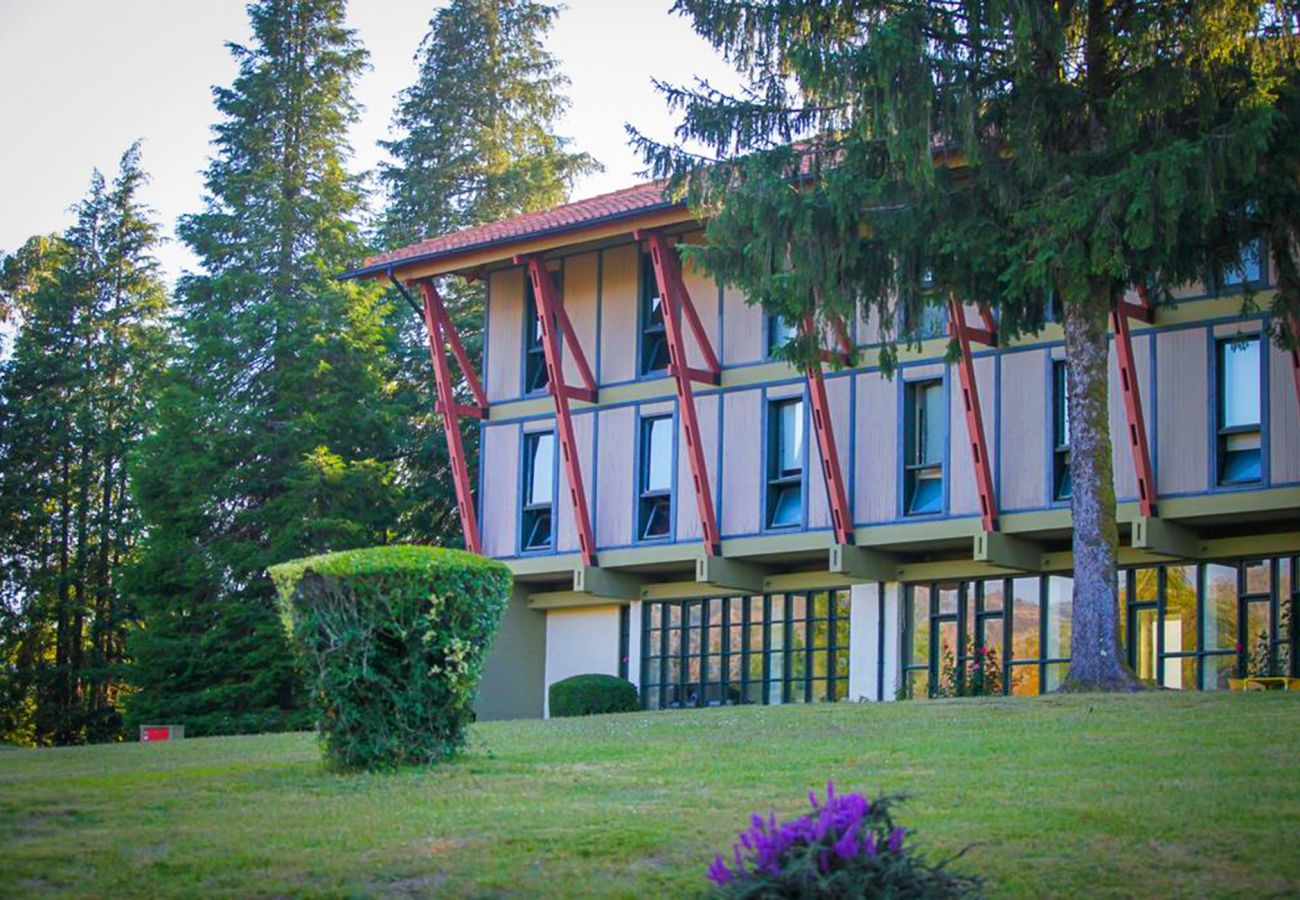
(91, 306)
(1015, 151)
(272, 436)
(476, 142)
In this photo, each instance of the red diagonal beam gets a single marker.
(550, 310)
(676, 300)
(673, 272)
(458, 350)
(841, 519)
(970, 399)
(1137, 428)
(447, 405)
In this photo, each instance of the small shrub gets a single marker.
(395, 639)
(591, 695)
(848, 846)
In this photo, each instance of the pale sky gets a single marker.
(81, 79)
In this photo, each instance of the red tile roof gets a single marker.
(628, 202)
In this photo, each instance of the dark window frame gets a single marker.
(652, 335)
(783, 483)
(1227, 435)
(651, 502)
(534, 516)
(1062, 483)
(916, 471)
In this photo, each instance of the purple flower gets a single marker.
(870, 846)
(896, 840)
(719, 874)
(847, 846)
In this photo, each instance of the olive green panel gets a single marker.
(513, 684)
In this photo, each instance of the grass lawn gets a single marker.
(1159, 794)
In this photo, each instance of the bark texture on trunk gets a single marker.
(1095, 659)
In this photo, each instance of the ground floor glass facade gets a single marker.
(775, 648)
(1187, 627)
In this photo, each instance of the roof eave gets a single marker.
(388, 268)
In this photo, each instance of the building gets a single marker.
(730, 531)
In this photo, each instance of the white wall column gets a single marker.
(875, 620)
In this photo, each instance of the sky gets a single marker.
(81, 79)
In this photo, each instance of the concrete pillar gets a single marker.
(875, 622)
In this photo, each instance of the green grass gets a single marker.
(1158, 794)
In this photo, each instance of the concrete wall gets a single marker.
(513, 675)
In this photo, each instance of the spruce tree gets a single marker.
(272, 436)
(475, 141)
(72, 402)
(1015, 152)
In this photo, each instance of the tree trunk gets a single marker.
(1095, 659)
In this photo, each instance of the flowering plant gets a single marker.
(848, 846)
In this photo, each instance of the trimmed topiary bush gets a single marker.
(591, 695)
(394, 639)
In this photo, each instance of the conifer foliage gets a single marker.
(1013, 153)
(74, 395)
(272, 438)
(476, 141)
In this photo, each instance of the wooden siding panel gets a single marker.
(742, 454)
(875, 461)
(819, 508)
(685, 508)
(1182, 381)
(742, 330)
(566, 529)
(963, 496)
(618, 314)
(1121, 455)
(704, 294)
(580, 303)
(616, 471)
(1026, 420)
(505, 335)
(1284, 418)
(500, 487)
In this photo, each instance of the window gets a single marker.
(539, 490)
(778, 332)
(1249, 268)
(780, 648)
(1239, 456)
(926, 322)
(785, 463)
(655, 499)
(1062, 487)
(926, 434)
(535, 375)
(654, 338)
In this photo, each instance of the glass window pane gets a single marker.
(788, 507)
(920, 626)
(1259, 644)
(1179, 673)
(791, 440)
(1248, 267)
(1024, 680)
(1144, 651)
(1218, 669)
(933, 424)
(1240, 383)
(1056, 673)
(1060, 606)
(1220, 613)
(992, 595)
(918, 684)
(1180, 609)
(658, 474)
(541, 486)
(1259, 577)
(1025, 613)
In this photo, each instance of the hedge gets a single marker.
(394, 638)
(590, 695)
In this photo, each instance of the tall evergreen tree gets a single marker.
(272, 436)
(1015, 151)
(72, 401)
(476, 141)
